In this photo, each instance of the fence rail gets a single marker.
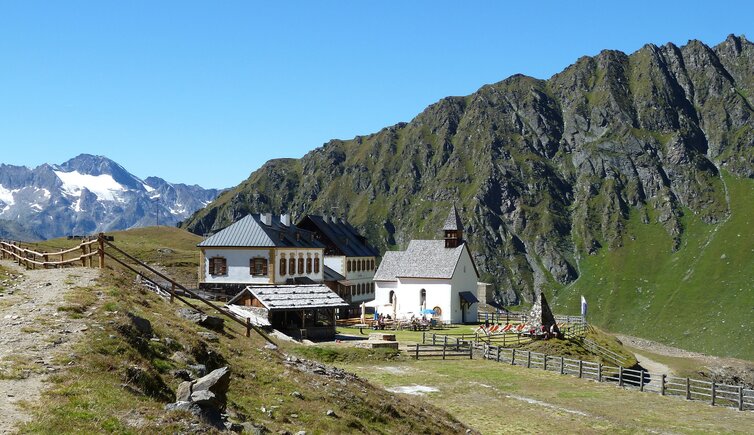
(444, 351)
(735, 396)
(31, 259)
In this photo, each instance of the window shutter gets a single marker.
(316, 264)
(264, 266)
(282, 266)
(292, 266)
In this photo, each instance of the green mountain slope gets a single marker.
(550, 175)
(699, 297)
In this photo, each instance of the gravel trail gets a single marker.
(33, 333)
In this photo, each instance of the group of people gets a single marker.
(379, 322)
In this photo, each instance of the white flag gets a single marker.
(583, 307)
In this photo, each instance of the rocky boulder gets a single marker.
(210, 322)
(205, 397)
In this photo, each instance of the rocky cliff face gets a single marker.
(545, 171)
(86, 195)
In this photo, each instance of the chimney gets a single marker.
(285, 219)
(266, 218)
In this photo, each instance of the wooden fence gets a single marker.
(106, 248)
(504, 339)
(518, 317)
(735, 396)
(444, 351)
(81, 255)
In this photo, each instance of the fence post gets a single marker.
(581, 368)
(172, 292)
(248, 323)
(641, 381)
(471, 351)
(513, 357)
(445, 341)
(688, 389)
(662, 384)
(101, 241)
(544, 363)
(433, 338)
(714, 388)
(620, 376)
(528, 359)
(417, 351)
(424, 333)
(599, 372)
(562, 365)
(740, 398)
(498, 354)
(444, 346)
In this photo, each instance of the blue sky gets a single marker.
(206, 92)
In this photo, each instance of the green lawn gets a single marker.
(498, 398)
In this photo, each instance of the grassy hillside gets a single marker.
(117, 380)
(700, 297)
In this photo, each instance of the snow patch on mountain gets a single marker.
(6, 196)
(104, 186)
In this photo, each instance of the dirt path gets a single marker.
(33, 334)
(652, 366)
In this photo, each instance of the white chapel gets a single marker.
(436, 275)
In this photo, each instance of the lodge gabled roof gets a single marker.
(339, 234)
(251, 231)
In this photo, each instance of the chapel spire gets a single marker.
(453, 229)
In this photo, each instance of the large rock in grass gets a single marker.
(210, 322)
(205, 397)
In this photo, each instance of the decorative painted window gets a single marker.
(363, 265)
(372, 264)
(316, 263)
(258, 266)
(423, 298)
(301, 265)
(308, 264)
(348, 265)
(282, 266)
(358, 266)
(391, 297)
(218, 266)
(292, 265)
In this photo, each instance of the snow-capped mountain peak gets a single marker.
(88, 194)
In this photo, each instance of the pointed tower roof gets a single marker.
(453, 222)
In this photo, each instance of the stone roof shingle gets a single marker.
(422, 259)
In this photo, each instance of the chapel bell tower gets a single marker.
(453, 229)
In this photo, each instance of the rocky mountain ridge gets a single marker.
(544, 171)
(88, 194)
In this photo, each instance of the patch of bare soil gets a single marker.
(34, 334)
